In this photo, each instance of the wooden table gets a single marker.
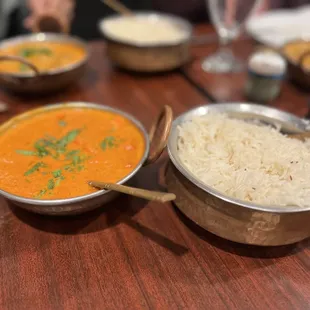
(131, 254)
(230, 87)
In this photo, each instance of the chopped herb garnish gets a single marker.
(41, 193)
(29, 52)
(62, 123)
(51, 146)
(34, 168)
(76, 159)
(69, 137)
(26, 152)
(108, 142)
(51, 184)
(80, 168)
(41, 149)
(57, 182)
(71, 154)
(57, 149)
(68, 168)
(57, 173)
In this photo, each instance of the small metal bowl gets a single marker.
(94, 200)
(296, 70)
(230, 218)
(149, 57)
(36, 82)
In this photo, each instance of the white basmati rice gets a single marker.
(144, 30)
(246, 161)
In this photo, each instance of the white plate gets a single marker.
(277, 27)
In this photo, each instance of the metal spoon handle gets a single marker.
(137, 192)
(117, 6)
(22, 61)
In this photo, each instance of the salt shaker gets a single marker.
(266, 70)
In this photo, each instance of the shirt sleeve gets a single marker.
(6, 8)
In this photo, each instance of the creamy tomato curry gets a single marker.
(44, 55)
(54, 154)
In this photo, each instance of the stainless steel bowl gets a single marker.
(227, 217)
(91, 201)
(149, 57)
(45, 82)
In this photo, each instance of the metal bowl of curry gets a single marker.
(48, 155)
(41, 63)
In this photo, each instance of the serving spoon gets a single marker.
(118, 7)
(132, 191)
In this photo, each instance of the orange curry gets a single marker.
(44, 55)
(54, 154)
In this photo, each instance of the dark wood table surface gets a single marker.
(131, 254)
(230, 87)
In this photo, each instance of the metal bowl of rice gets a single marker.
(267, 220)
(147, 41)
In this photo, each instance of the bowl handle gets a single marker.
(22, 61)
(166, 115)
(302, 58)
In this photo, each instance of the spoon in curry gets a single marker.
(137, 192)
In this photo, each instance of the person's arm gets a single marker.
(61, 11)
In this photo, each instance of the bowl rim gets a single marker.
(46, 37)
(74, 104)
(188, 29)
(208, 189)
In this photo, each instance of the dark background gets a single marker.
(89, 12)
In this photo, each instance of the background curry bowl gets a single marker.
(43, 82)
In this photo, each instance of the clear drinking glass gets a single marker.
(228, 17)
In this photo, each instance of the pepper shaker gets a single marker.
(266, 71)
